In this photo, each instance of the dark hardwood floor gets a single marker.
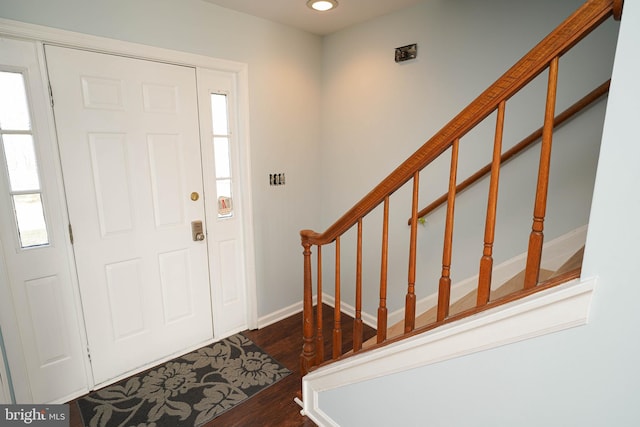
(274, 406)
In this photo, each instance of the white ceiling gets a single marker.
(296, 13)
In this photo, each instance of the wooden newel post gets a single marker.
(308, 356)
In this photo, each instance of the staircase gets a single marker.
(531, 280)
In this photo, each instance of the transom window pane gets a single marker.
(14, 110)
(20, 163)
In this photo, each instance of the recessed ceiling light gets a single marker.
(322, 5)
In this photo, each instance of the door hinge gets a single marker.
(51, 95)
(71, 234)
(88, 354)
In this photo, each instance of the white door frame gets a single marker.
(5, 391)
(46, 35)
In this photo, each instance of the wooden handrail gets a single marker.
(571, 31)
(527, 142)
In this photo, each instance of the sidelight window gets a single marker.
(20, 162)
(222, 153)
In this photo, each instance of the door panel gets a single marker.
(166, 164)
(47, 318)
(124, 289)
(130, 152)
(108, 157)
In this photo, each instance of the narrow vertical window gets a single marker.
(20, 163)
(222, 153)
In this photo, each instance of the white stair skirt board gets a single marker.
(561, 307)
(554, 254)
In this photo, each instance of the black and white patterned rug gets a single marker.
(187, 391)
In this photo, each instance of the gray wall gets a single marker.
(587, 376)
(284, 89)
(375, 113)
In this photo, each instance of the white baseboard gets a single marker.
(279, 315)
(367, 318)
(296, 308)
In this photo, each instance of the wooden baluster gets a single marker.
(319, 325)
(382, 308)
(486, 262)
(308, 355)
(357, 321)
(337, 324)
(444, 291)
(410, 302)
(536, 238)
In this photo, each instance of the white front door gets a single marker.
(129, 141)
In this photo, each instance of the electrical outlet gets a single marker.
(277, 179)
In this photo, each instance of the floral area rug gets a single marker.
(187, 391)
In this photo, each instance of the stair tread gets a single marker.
(468, 301)
(575, 261)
